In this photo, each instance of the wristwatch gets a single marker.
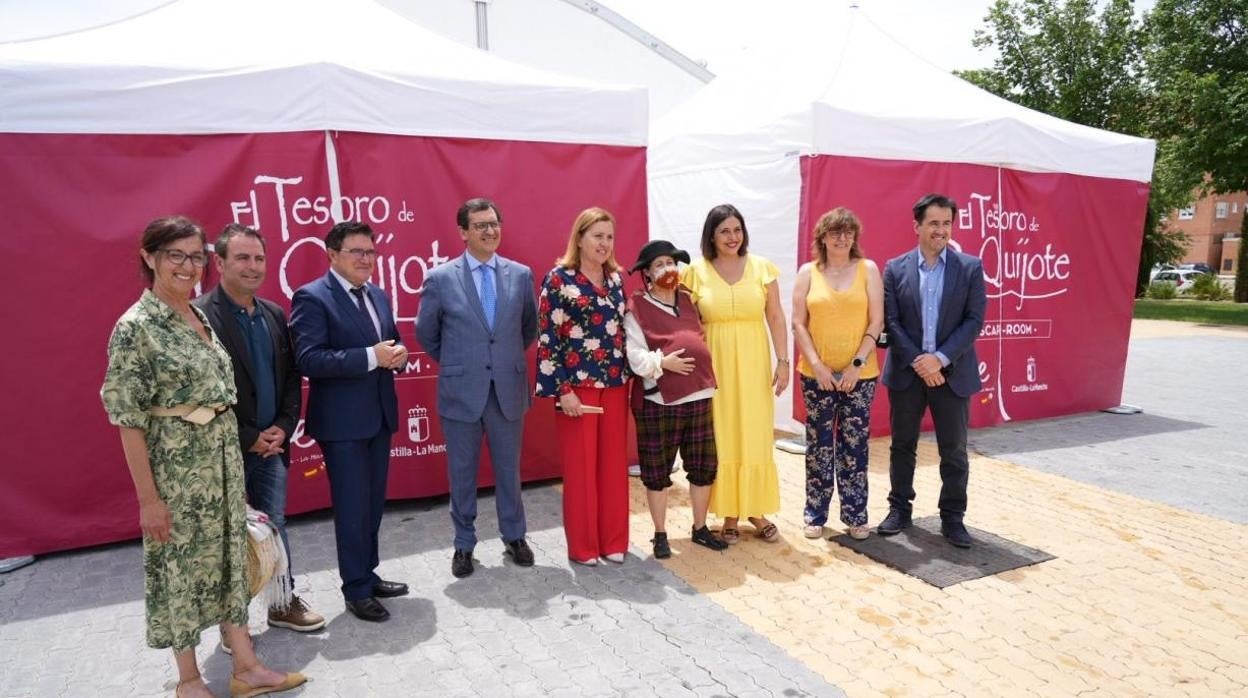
(858, 362)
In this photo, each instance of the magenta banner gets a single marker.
(1060, 253)
(77, 205)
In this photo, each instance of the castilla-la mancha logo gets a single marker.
(418, 424)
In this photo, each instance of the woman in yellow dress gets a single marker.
(738, 298)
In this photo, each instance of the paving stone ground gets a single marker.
(1144, 599)
(72, 624)
(1146, 596)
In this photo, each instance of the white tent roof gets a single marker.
(234, 66)
(855, 91)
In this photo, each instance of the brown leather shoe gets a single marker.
(297, 617)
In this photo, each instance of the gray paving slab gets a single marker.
(1188, 449)
(921, 551)
(72, 624)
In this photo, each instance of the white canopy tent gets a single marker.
(190, 108)
(583, 38)
(850, 91)
(230, 66)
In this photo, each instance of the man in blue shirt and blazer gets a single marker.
(269, 387)
(477, 316)
(934, 304)
(348, 347)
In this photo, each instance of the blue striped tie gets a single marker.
(488, 298)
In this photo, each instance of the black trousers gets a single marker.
(950, 415)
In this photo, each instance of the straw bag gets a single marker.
(268, 572)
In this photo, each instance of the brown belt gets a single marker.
(195, 414)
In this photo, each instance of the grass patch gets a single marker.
(1208, 312)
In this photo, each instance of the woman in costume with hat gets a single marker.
(166, 388)
(581, 365)
(738, 296)
(672, 397)
(838, 314)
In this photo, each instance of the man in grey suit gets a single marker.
(477, 316)
(934, 305)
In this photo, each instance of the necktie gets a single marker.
(359, 304)
(488, 298)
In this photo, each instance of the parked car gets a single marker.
(1200, 267)
(1157, 269)
(1181, 278)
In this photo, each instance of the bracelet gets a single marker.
(780, 360)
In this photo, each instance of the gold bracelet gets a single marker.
(781, 361)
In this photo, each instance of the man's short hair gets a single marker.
(343, 230)
(231, 231)
(928, 200)
(475, 206)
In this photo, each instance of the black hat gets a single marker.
(655, 249)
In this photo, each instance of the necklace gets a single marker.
(838, 270)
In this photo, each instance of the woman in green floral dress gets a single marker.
(188, 476)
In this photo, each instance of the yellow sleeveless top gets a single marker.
(837, 322)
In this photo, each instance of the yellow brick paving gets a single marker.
(1142, 600)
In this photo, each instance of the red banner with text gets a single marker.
(1059, 251)
(77, 205)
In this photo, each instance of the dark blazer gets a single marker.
(450, 325)
(217, 306)
(346, 401)
(962, 308)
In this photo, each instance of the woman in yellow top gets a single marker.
(838, 314)
(738, 297)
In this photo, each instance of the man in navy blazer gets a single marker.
(347, 345)
(478, 315)
(934, 305)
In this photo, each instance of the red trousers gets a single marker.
(595, 474)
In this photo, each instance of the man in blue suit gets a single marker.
(934, 305)
(347, 345)
(478, 315)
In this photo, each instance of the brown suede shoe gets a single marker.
(297, 617)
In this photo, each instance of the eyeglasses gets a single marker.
(483, 226)
(359, 253)
(839, 234)
(178, 257)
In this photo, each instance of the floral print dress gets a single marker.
(199, 577)
(580, 333)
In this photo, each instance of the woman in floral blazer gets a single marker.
(581, 364)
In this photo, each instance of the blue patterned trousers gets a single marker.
(838, 426)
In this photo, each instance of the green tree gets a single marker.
(1064, 58)
(1196, 59)
(1172, 188)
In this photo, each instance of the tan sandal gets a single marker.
(242, 689)
(731, 536)
(767, 531)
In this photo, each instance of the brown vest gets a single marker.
(667, 333)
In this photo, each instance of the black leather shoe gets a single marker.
(662, 550)
(368, 609)
(896, 521)
(385, 590)
(955, 533)
(704, 537)
(520, 552)
(461, 563)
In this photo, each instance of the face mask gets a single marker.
(667, 278)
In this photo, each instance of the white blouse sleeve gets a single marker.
(642, 361)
